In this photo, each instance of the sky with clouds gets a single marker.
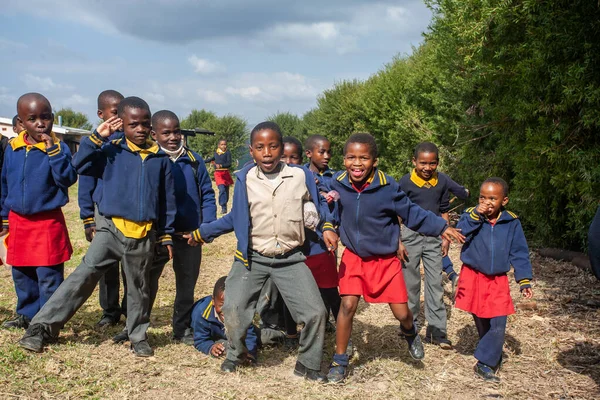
(251, 58)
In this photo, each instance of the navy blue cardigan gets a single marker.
(35, 179)
(369, 220)
(132, 188)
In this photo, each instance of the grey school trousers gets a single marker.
(186, 265)
(428, 249)
(108, 246)
(299, 291)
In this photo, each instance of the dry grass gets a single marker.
(552, 348)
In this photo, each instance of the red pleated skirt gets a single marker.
(378, 279)
(324, 268)
(486, 296)
(223, 177)
(38, 240)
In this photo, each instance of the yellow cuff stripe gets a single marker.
(524, 282)
(164, 238)
(239, 256)
(474, 216)
(328, 225)
(197, 237)
(97, 141)
(54, 152)
(88, 220)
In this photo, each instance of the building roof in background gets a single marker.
(62, 130)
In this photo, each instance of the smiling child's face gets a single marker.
(167, 134)
(492, 196)
(425, 164)
(359, 162)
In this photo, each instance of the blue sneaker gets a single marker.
(337, 373)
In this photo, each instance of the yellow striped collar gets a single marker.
(219, 151)
(151, 149)
(420, 182)
(19, 142)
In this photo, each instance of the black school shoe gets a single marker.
(121, 337)
(21, 322)
(142, 349)
(35, 338)
(337, 373)
(415, 346)
(107, 321)
(486, 372)
(309, 374)
(443, 342)
(229, 366)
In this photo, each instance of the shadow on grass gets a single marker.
(468, 339)
(583, 358)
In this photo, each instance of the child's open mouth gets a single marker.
(357, 173)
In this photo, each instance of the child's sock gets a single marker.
(410, 334)
(340, 359)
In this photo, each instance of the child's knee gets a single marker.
(348, 307)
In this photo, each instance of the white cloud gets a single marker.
(153, 97)
(76, 100)
(203, 66)
(261, 87)
(6, 44)
(320, 36)
(211, 96)
(248, 93)
(34, 82)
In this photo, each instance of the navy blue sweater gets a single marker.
(35, 179)
(238, 219)
(134, 189)
(369, 219)
(431, 198)
(193, 192)
(492, 249)
(223, 159)
(208, 329)
(90, 188)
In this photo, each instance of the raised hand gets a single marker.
(109, 126)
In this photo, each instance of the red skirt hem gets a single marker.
(223, 177)
(486, 296)
(324, 269)
(378, 279)
(38, 240)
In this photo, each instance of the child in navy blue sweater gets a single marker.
(36, 175)
(222, 162)
(209, 328)
(370, 203)
(494, 241)
(87, 193)
(136, 210)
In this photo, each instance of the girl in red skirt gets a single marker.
(494, 241)
(222, 162)
(36, 175)
(369, 205)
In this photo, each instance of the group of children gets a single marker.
(149, 201)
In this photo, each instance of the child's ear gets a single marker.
(308, 153)
(414, 162)
(504, 201)
(99, 114)
(153, 134)
(376, 162)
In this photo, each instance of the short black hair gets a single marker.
(106, 95)
(498, 181)
(264, 126)
(132, 102)
(426, 147)
(219, 286)
(221, 140)
(294, 141)
(312, 140)
(364, 138)
(161, 115)
(14, 122)
(34, 95)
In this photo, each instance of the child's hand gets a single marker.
(332, 196)
(90, 233)
(452, 234)
(3, 232)
(331, 240)
(484, 209)
(109, 126)
(217, 350)
(445, 247)
(218, 165)
(190, 240)
(527, 293)
(47, 139)
(402, 253)
(170, 250)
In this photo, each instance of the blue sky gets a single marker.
(249, 58)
